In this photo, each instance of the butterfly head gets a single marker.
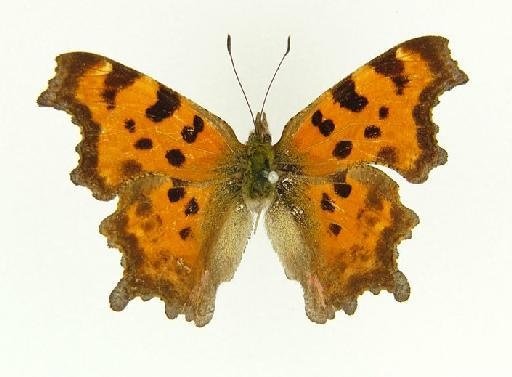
(261, 132)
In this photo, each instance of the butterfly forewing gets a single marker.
(380, 114)
(133, 125)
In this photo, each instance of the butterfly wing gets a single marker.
(179, 242)
(336, 221)
(171, 163)
(337, 236)
(379, 114)
(133, 125)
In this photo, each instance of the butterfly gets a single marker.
(189, 191)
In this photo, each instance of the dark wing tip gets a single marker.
(62, 86)
(435, 51)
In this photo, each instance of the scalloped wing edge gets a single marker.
(434, 50)
(228, 237)
(287, 226)
(61, 96)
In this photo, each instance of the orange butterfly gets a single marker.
(188, 188)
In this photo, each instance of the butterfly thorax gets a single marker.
(259, 177)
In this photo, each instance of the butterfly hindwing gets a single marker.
(179, 242)
(133, 125)
(341, 238)
(379, 114)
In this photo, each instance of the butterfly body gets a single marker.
(188, 189)
(258, 183)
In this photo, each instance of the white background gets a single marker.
(56, 270)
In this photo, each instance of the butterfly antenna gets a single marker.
(238, 79)
(275, 73)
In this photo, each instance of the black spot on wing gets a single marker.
(192, 207)
(198, 123)
(144, 143)
(175, 157)
(185, 232)
(189, 134)
(335, 229)
(326, 127)
(326, 203)
(316, 119)
(175, 194)
(167, 103)
(129, 124)
(342, 149)
(344, 93)
(342, 189)
(372, 132)
(383, 112)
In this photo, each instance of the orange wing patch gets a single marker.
(171, 235)
(347, 229)
(379, 114)
(132, 125)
